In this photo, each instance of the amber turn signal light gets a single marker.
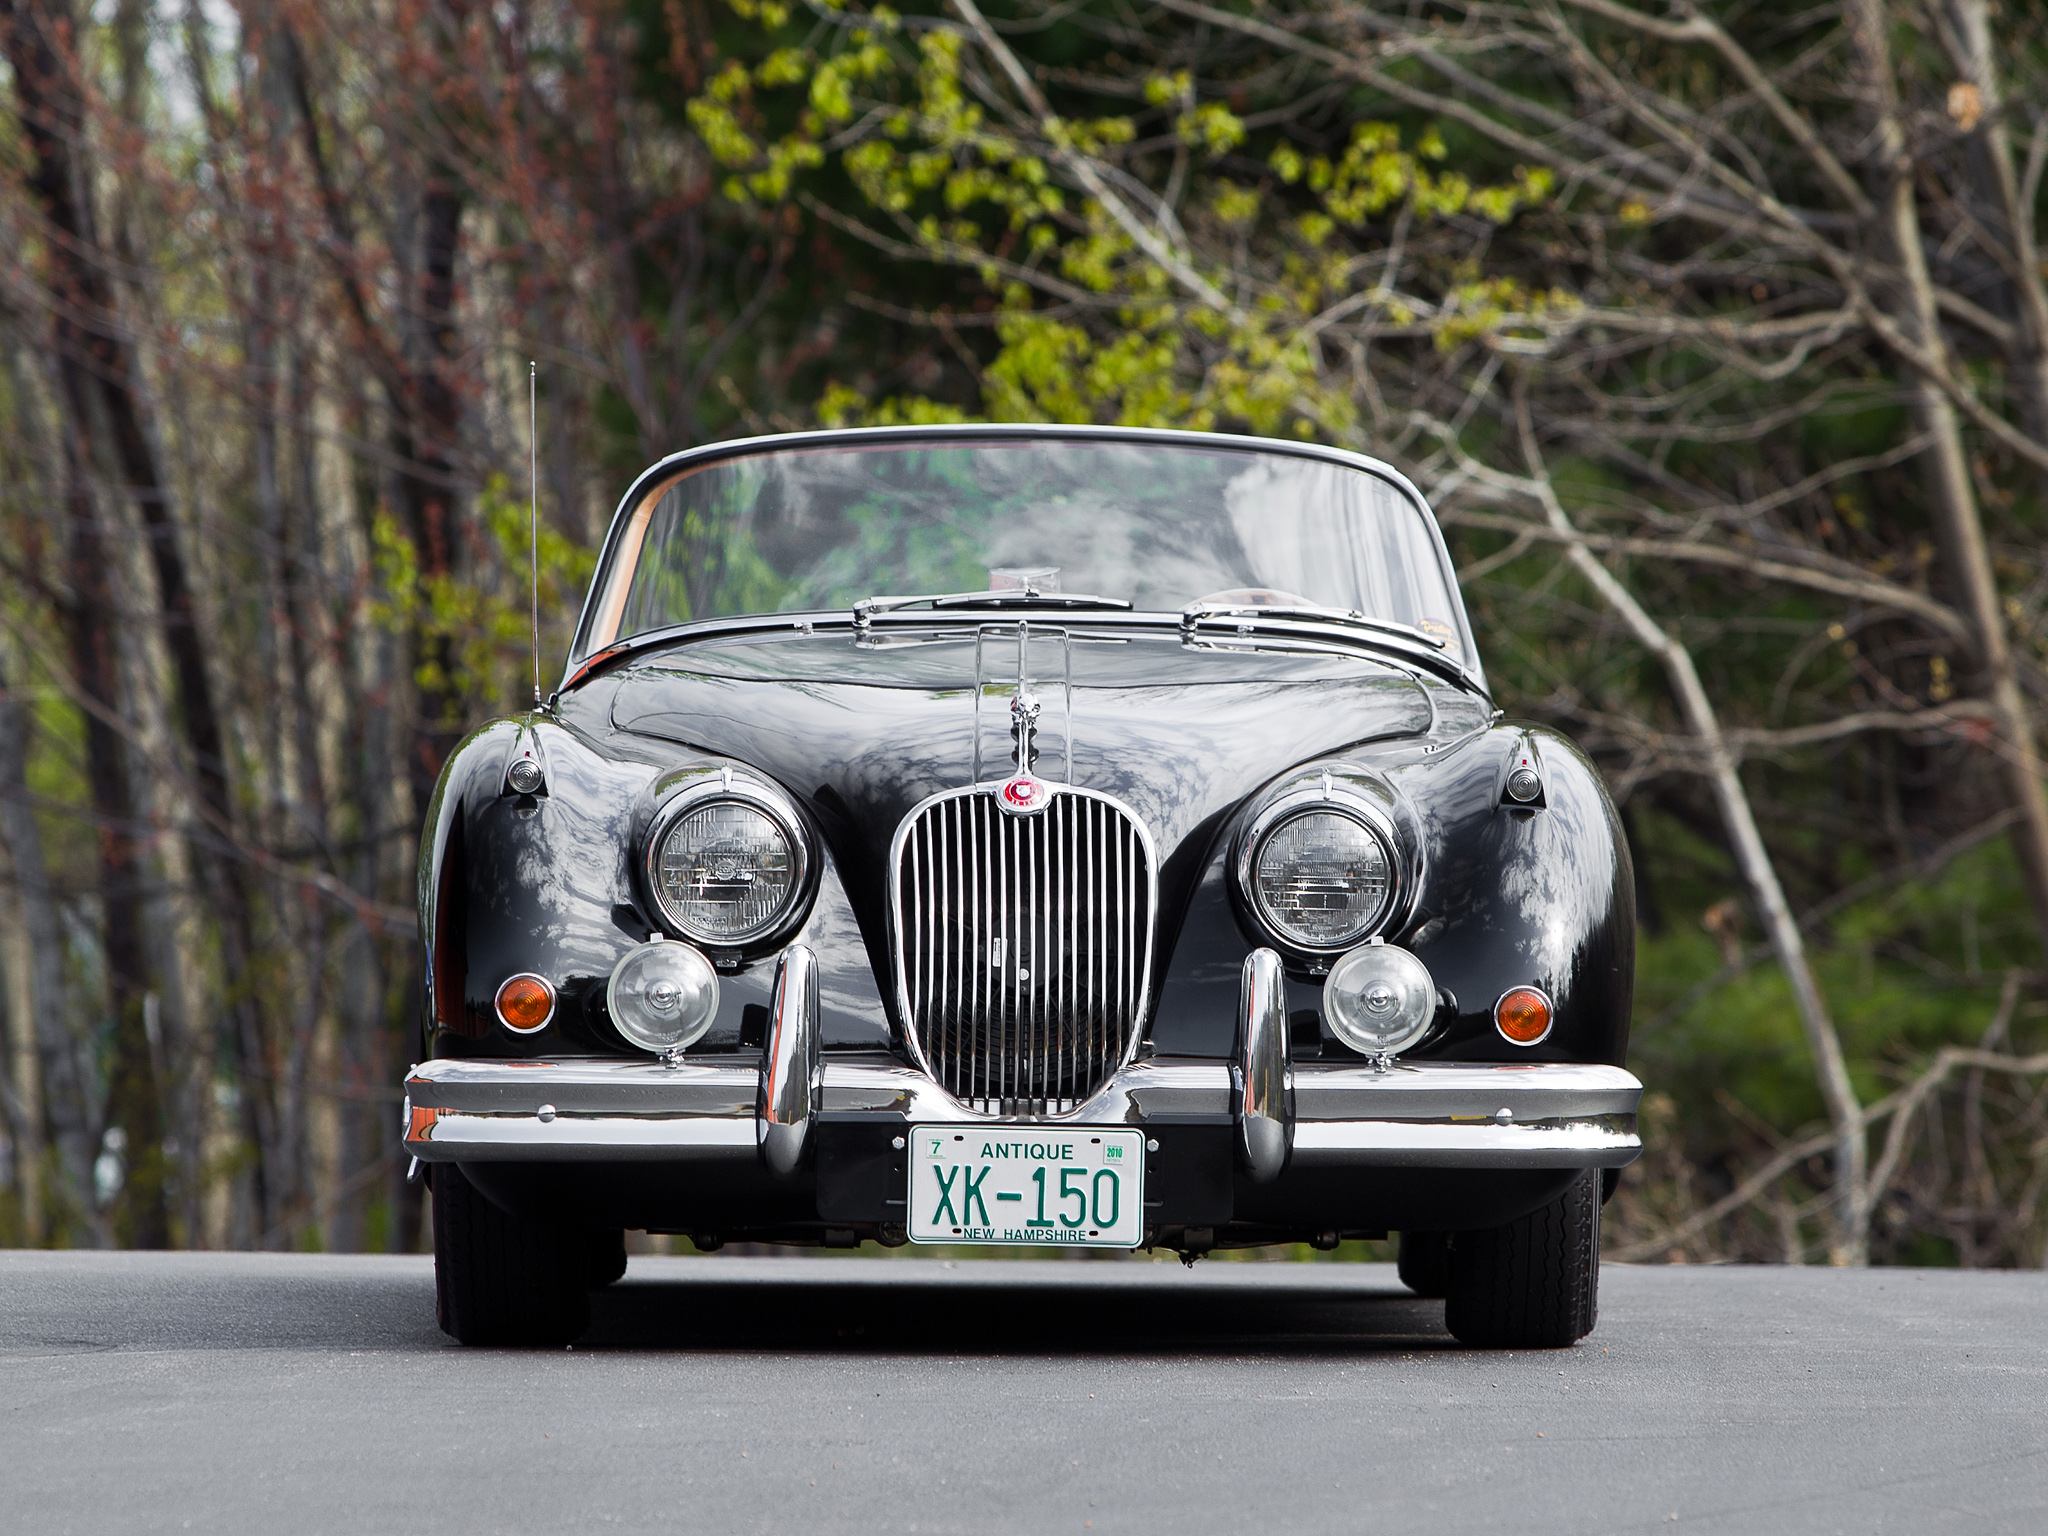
(1522, 1015)
(525, 1002)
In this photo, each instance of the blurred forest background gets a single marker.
(1717, 331)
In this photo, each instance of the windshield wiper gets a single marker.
(865, 610)
(1313, 625)
(1245, 618)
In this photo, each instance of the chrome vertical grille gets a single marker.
(1023, 945)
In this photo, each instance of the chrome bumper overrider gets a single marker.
(1426, 1114)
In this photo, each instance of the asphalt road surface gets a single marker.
(301, 1395)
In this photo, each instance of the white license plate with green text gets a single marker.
(1061, 1188)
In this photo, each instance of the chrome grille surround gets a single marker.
(1023, 944)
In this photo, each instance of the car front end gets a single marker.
(1019, 916)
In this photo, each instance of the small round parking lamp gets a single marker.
(524, 776)
(1523, 1016)
(662, 996)
(525, 1003)
(1379, 999)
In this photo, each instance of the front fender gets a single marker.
(544, 883)
(1541, 895)
(1505, 896)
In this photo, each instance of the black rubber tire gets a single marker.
(1425, 1263)
(1534, 1283)
(607, 1257)
(501, 1280)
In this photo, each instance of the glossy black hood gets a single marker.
(863, 732)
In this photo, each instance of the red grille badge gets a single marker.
(1023, 795)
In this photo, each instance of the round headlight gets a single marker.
(662, 996)
(1379, 999)
(1321, 879)
(726, 871)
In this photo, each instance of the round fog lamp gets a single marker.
(1522, 1016)
(662, 996)
(1379, 999)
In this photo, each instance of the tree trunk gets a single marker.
(416, 371)
(2029, 355)
(103, 396)
(39, 40)
(427, 424)
(1951, 489)
(28, 956)
(134, 1103)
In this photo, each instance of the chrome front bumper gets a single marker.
(1425, 1114)
(1307, 1115)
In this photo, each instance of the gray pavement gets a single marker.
(304, 1395)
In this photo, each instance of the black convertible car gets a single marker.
(1023, 835)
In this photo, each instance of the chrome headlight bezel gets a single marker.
(1328, 797)
(727, 787)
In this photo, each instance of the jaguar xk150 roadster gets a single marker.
(1034, 836)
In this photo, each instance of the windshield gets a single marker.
(1157, 524)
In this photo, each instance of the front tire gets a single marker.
(1425, 1263)
(1534, 1283)
(606, 1253)
(499, 1279)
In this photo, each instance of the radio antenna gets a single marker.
(533, 508)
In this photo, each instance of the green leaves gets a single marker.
(476, 630)
(945, 161)
(1375, 173)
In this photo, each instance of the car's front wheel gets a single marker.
(1425, 1263)
(499, 1279)
(607, 1256)
(1534, 1283)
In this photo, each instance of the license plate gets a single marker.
(1057, 1189)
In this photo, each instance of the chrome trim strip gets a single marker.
(1452, 1090)
(1610, 1141)
(1432, 1114)
(1260, 1089)
(1141, 1091)
(456, 1136)
(728, 1085)
(790, 1077)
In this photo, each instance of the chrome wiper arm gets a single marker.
(1248, 614)
(1311, 625)
(865, 610)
